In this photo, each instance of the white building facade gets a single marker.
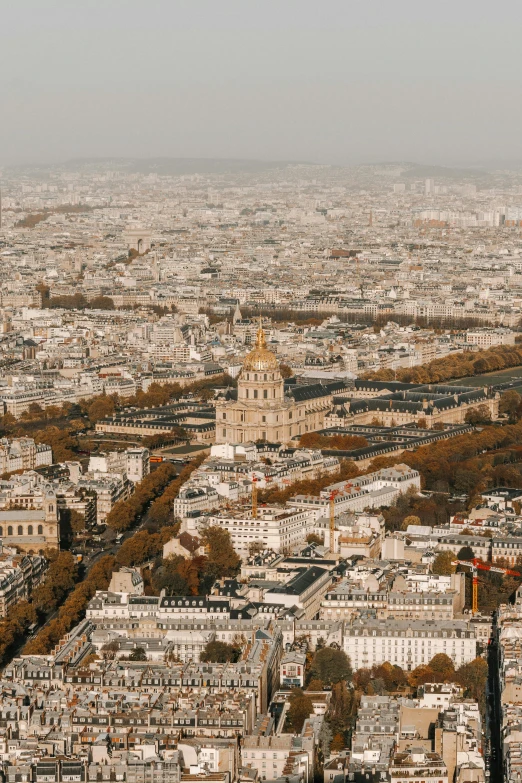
(408, 644)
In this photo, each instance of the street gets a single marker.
(493, 716)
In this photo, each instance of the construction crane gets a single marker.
(333, 495)
(477, 565)
(254, 497)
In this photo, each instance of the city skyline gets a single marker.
(260, 392)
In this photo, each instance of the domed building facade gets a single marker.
(261, 410)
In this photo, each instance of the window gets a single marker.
(224, 415)
(265, 394)
(40, 530)
(9, 531)
(20, 530)
(255, 394)
(30, 530)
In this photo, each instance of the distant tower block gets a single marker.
(138, 239)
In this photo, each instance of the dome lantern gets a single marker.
(260, 359)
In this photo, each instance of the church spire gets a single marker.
(237, 314)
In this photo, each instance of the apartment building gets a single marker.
(418, 766)
(137, 464)
(192, 499)
(275, 528)
(347, 601)
(407, 643)
(23, 454)
(19, 575)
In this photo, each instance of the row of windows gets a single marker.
(20, 530)
(265, 377)
(256, 395)
(254, 755)
(436, 634)
(504, 545)
(403, 642)
(263, 434)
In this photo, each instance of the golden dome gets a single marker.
(260, 359)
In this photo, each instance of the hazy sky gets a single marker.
(339, 81)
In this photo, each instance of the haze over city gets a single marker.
(340, 82)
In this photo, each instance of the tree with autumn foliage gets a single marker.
(314, 440)
(160, 512)
(62, 440)
(60, 579)
(510, 404)
(442, 667)
(222, 558)
(330, 665)
(412, 519)
(456, 365)
(179, 575)
(313, 538)
(443, 564)
(439, 669)
(338, 743)
(73, 609)
(125, 513)
(421, 675)
(301, 707)
(347, 470)
(220, 652)
(342, 711)
(101, 408)
(101, 303)
(139, 548)
(473, 677)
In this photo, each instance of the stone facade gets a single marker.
(262, 411)
(33, 529)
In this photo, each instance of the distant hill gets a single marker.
(180, 166)
(399, 170)
(427, 171)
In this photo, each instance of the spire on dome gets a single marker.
(261, 336)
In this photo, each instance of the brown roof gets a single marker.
(190, 543)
